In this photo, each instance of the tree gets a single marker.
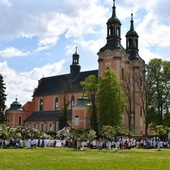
(63, 118)
(129, 96)
(90, 86)
(67, 88)
(161, 130)
(2, 99)
(110, 132)
(143, 87)
(158, 78)
(82, 134)
(110, 99)
(3, 131)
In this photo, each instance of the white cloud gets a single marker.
(23, 84)
(42, 48)
(74, 26)
(5, 3)
(147, 55)
(93, 46)
(46, 71)
(74, 19)
(12, 52)
(151, 30)
(48, 54)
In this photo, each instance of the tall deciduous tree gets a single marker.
(143, 87)
(67, 88)
(91, 86)
(144, 103)
(129, 96)
(110, 99)
(158, 78)
(2, 99)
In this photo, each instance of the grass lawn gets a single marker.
(67, 159)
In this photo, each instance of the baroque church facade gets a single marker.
(55, 93)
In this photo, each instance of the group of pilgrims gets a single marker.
(119, 143)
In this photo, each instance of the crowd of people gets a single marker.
(153, 142)
(119, 143)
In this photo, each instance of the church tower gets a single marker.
(129, 66)
(113, 32)
(113, 55)
(137, 77)
(75, 67)
(132, 41)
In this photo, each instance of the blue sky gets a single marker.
(38, 37)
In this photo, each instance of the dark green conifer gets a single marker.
(2, 99)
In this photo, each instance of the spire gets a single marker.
(132, 31)
(132, 26)
(114, 19)
(113, 32)
(76, 50)
(114, 9)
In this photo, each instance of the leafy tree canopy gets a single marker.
(158, 94)
(110, 99)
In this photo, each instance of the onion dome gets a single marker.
(132, 31)
(114, 19)
(15, 106)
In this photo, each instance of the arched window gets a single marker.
(7, 120)
(43, 127)
(111, 30)
(75, 60)
(129, 42)
(51, 127)
(123, 74)
(35, 126)
(118, 31)
(136, 43)
(19, 121)
(41, 105)
(76, 122)
(72, 100)
(56, 103)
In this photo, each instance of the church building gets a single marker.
(56, 93)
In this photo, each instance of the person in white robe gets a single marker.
(29, 143)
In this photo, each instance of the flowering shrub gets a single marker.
(19, 132)
(81, 134)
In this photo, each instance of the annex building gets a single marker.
(47, 104)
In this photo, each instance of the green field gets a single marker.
(67, 159)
